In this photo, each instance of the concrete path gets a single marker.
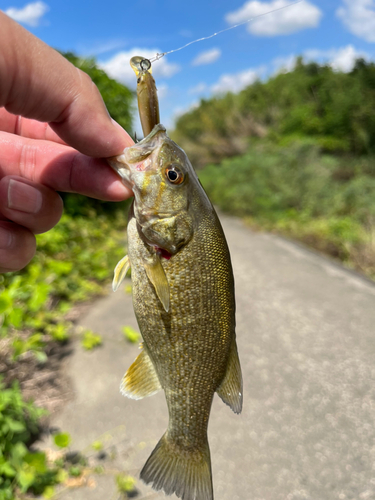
(306, 337)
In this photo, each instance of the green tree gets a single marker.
(331, 108)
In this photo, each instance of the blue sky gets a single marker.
(333, 31)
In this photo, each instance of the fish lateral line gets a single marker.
(162, 54)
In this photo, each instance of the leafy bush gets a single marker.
(20, 469)
(72, 263)
(322, 200)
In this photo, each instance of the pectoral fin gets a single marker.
(230, 389)
(120, 271)
(141, 379)
(156, 275)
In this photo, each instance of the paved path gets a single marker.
(306, 337)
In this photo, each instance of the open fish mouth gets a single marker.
(123, 171)
(138, 158)
(126, 170)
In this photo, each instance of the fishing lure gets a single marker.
(147, 94)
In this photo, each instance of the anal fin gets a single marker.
(230, 389)
(158, 278)
(141, 379)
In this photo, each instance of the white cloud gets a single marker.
(198, 89)
(162, 91)
(284, 64)
(182, 110)
(281, 22)
(118, 66)
(359, 18)
(345, 58)
(237, 81)
(342, 59)
(207, 57)
(99, 47)
(31, 14)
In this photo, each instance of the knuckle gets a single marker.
(27, 161)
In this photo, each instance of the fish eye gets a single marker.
(174, 175)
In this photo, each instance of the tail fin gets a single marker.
(185, 473)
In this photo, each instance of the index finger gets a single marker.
(59, 167)
(38, 82)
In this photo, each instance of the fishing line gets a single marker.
(162, 54)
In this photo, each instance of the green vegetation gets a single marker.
(20, 469)
(131, 335)
(62, 440)
(300, 192)
(125, 484)
(72, 263)
(295, 154)
(333, 109)
(26, 473)
(90, 340)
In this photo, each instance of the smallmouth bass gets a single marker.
(183, 297)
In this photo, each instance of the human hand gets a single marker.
(54, 128)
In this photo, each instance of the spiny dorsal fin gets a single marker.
(230, 389)
(156, 275)
(141, 379)
(120, 271)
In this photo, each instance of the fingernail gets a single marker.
(23, 197)
(129, 140)
(6, 238)
(117, 125)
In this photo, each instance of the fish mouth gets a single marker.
(139, 157)
(122, 169)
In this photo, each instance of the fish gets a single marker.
(147, 95)
(184, 302)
